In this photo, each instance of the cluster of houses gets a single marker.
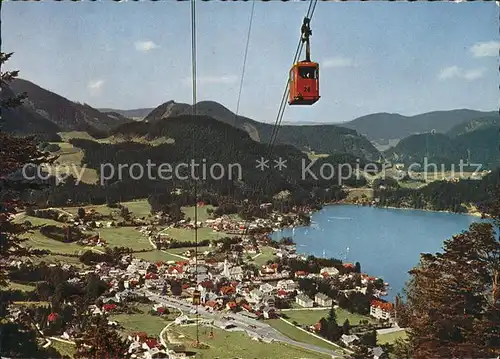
(276, 220)
(223, 286)
(320, 299)
(93, 241)
(143, 346)
(352, 341)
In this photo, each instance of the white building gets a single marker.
(304, 301)
(287, 285)
(382, 310)
(331, 271)
(266, 288)
(323, 300)
(349, 339)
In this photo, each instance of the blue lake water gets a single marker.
(386, 242)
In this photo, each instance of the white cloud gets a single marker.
(211, 80)
(449, 72)
(95, 84)
(484, 49)
(145, 46)
(337, 62)
(474, 74)
(457, 72)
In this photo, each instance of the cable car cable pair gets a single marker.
(304, 75)
(290, 84)
(281, 110)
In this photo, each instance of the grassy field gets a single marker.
(139, 208)
(267, 254)
(117, 236)
(39, 241)
(313, 155)
(201, 212)
(20, 218)
(125, 237)
(54, 258)
(239, 345)
(22, 287)
(70, 158)
(357, 193)
(64, 348)
(66, 136)
(183, 235)
(42, 303)
(156, 256)
(391, 337)
(143, 322)
(412, 184)
(311, 317)
(137, 139)
(298, 335)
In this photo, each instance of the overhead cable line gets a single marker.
(281, 110)
(195, 189)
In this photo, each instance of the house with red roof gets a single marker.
(151, 343)
(52, 317)
(282, 294)
(348, 265)
(151, 275)
(138, 336)
(211, 304)
(227, 290)
(301, 274)
(382, 310)
(316, 327)
(176, 271)
(206, 284)
(109, 307)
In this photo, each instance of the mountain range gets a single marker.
(53, 113)
(478, 146)
(44, 105)
(454, 133)
(381, 127)
(327, 139)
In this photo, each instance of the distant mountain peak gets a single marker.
(390, 126)
(67, 115)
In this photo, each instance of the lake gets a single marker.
(386, 242)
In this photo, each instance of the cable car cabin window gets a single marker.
(308, 72)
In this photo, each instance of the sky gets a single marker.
(396, 57)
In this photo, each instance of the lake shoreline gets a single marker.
(474, 213)
(387, 243)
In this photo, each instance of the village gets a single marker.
(222, 286)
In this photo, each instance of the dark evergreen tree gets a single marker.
(100, 341)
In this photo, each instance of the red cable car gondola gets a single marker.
(304, 75)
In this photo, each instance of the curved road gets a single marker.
(251, 326)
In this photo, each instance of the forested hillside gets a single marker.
(326, 139)
(441, 195)
(217, 144)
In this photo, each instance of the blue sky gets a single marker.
(399, 57)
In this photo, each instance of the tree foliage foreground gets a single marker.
(453, 297)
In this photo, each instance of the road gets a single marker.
(251, 326)
(390, 330)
